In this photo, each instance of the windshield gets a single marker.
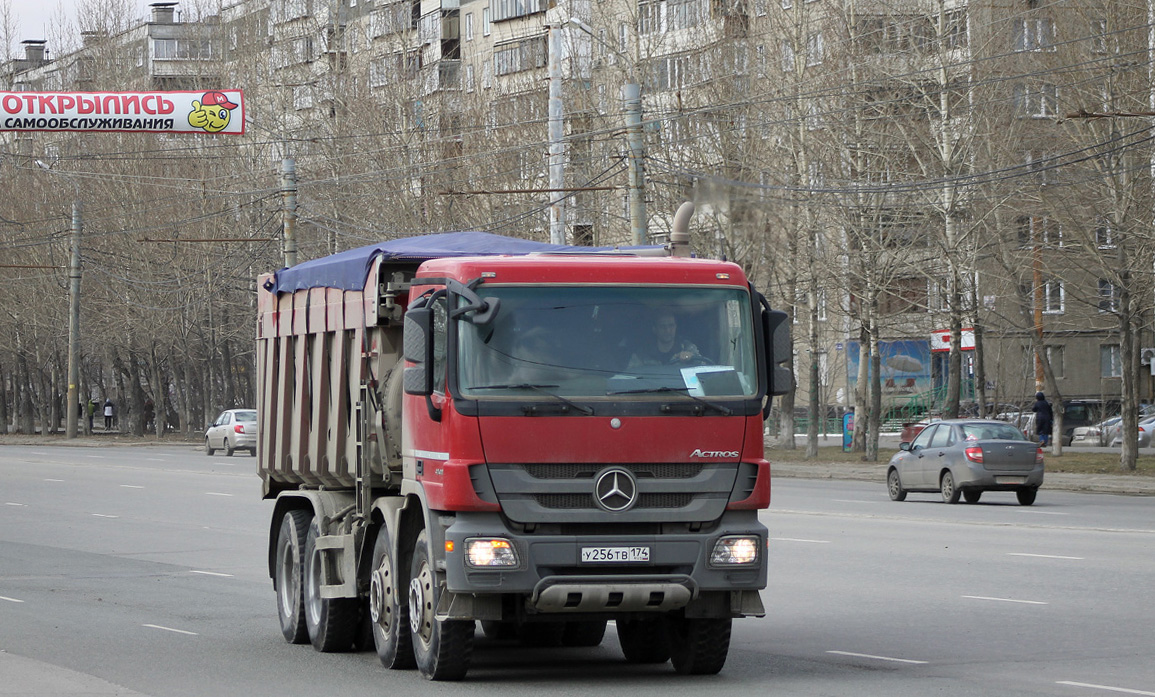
(599, 341)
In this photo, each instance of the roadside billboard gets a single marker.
(206, 111)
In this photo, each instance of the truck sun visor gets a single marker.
(347, 270)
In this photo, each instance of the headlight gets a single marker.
(734, 550)
(489, 552)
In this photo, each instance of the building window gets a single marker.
(485, 22)
(1038, 229)
(469, 26)
(1034, 35)
(1104, 233)
(469, 77)
(509, 9)
(517, 56)
(1036, 101)
(815, 49)
(1108, 296)
(1110, 362)
(1097, 30)
(787, 56)
(1054, 297)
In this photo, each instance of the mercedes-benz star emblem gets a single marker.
(615, 489)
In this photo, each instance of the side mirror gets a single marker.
(779, 350)
(418, 349)
(904, 446)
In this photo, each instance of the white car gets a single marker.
(234, 429)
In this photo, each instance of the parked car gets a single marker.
(910, 430)
(966, 457)
(1100, 434)
(234, 429)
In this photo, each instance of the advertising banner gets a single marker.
(211, 111)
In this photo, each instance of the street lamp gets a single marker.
(632, 96)
(73, 400)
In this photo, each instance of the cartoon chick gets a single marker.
(211, 114)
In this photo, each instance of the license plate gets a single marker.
(615, 555)
(1011, 480)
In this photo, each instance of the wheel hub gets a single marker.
(421, 605)
(380, 594)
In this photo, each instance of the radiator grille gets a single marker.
(578, 501)
(655, 470)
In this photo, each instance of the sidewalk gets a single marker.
(785, 463)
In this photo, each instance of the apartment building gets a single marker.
(894, 167)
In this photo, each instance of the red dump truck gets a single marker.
(464, 428)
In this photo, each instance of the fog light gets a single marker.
(734, 550)
(489, 552)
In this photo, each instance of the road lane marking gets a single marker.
(13, 503)
(105, 515)
(1043, 556)
(877, 658)
(851, 501)
(799, 539)
(216, 493)
(156, 459)
(169, 629)
(1006, 600)
(1109, 688)
(11, 600)
(131, 486)
(96, 457)
(211, 573)
(54, 480)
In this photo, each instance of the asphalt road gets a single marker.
(141, 571)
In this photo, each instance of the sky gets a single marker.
(34, 17)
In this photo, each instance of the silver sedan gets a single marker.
(965, 457)
(234, 429)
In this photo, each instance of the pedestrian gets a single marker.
(108, 412)
(1044, 418)
(91, 409)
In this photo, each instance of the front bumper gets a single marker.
(552, 578)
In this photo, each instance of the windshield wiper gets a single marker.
(544, 389)
(681, 391)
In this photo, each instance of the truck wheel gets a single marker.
(332, 622)
(584, 633)
(698, 645)
(388, 610)
(644, 641)
(290, 560)
(208, 448)
(442, 648)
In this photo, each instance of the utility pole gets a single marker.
(74, 324)
(633, 104)
(556, 144)
(289, 209)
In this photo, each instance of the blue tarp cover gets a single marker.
(348, 270)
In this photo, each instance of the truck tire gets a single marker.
(388, 608)
(698, 645)
(442, 648)
(645, 640)
(287, 579)
(331, 622)
(584, 633)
